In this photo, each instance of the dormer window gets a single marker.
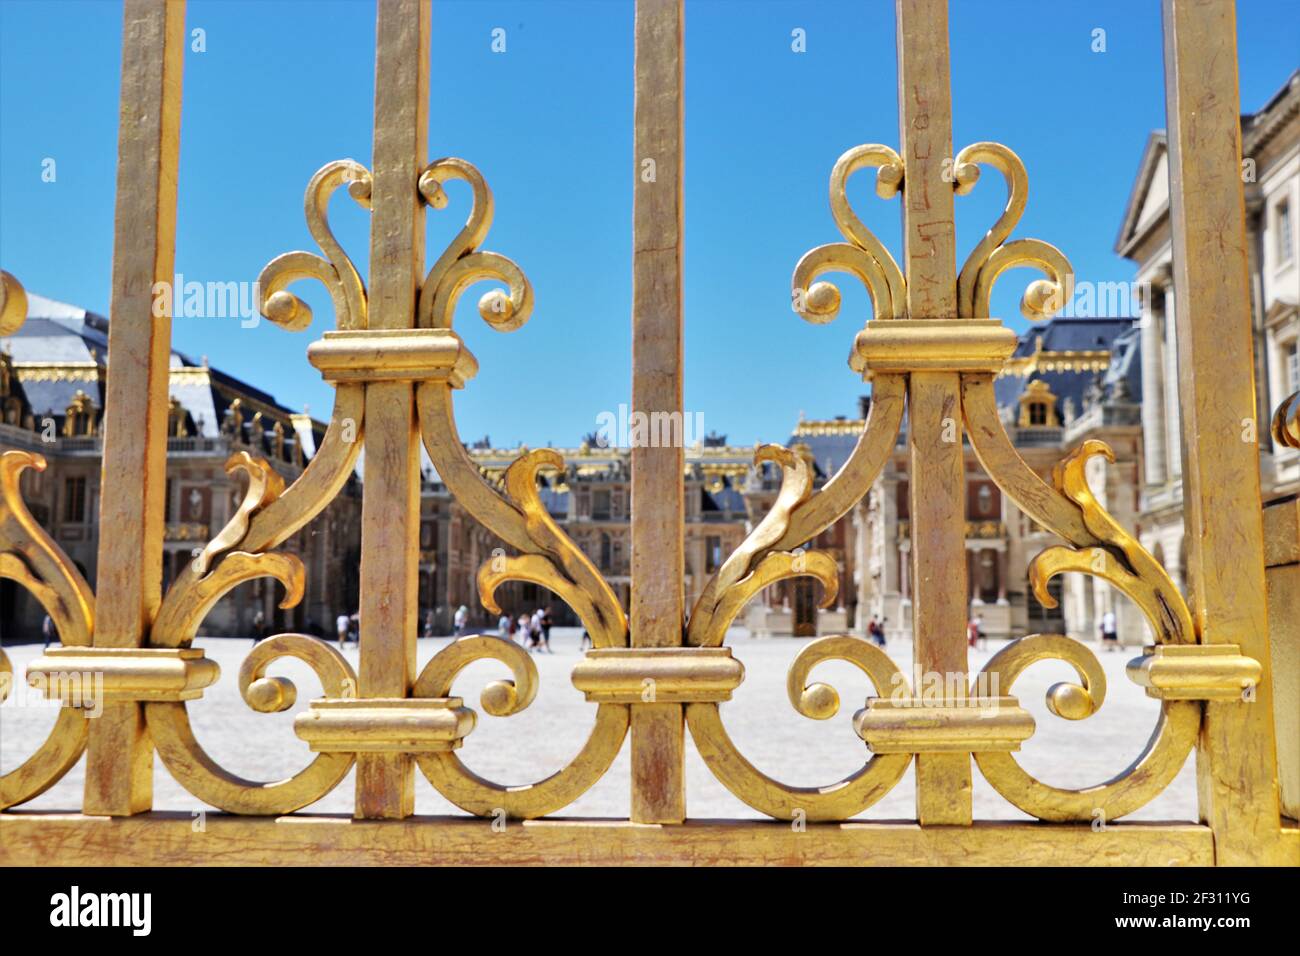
(79, 417)
(1038, 406)
(177, 419)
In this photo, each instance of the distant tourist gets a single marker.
(525, 631)
(1109, 631)
(47, 630)
(504, 626)
(428, 624)
(546, 630)
(259, 626)
(535, 629)
(876, 631)
(462, 616)
(342, 625)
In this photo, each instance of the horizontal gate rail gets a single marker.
(170, 839)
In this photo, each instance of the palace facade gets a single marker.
(590, 500)
(53, 373)
(1070, 380)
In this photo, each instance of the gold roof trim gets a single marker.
(189, 374)
(834, 426)
(1065, 360)
(58, 371)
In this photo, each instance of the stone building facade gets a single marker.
(1271, 170)
(590, 500)
(1070, 380)
(53, 373)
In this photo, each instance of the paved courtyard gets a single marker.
(543, 738)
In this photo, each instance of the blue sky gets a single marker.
(284, 87)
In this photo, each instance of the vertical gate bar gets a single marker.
(938, 526)
(1236, 756)
(119, 757)
(390, 504)
(658, 496)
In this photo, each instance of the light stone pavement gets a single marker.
(542, 739)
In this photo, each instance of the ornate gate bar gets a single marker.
(1237, 765)
(119, 755)
(658, 494)
(938, 525)
(390, 509)
(394, 361)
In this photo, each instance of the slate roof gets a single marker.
(1126, 364)
(726, 498)
(828, 451)
(555, 502)
(1119, 336)
(57, 333)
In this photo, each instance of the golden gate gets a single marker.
(395, 362)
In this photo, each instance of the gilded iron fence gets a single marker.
(395, 362)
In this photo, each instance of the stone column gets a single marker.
(1003, 571)
(1153, 392)
(1173, 443)
(890, 574)
(862, 564)
(905, 570)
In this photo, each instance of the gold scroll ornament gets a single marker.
(269, 515)
(545, 555)
(885, 352)
(29, 556)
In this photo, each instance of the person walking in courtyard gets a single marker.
(259, 626)
(462, 616)
(428, 623)
(525, 631)
(535, 630)
(1109, 632)
(47, 630)
(546, 630)
(876, 632)
(342, 623)
(503, 626)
